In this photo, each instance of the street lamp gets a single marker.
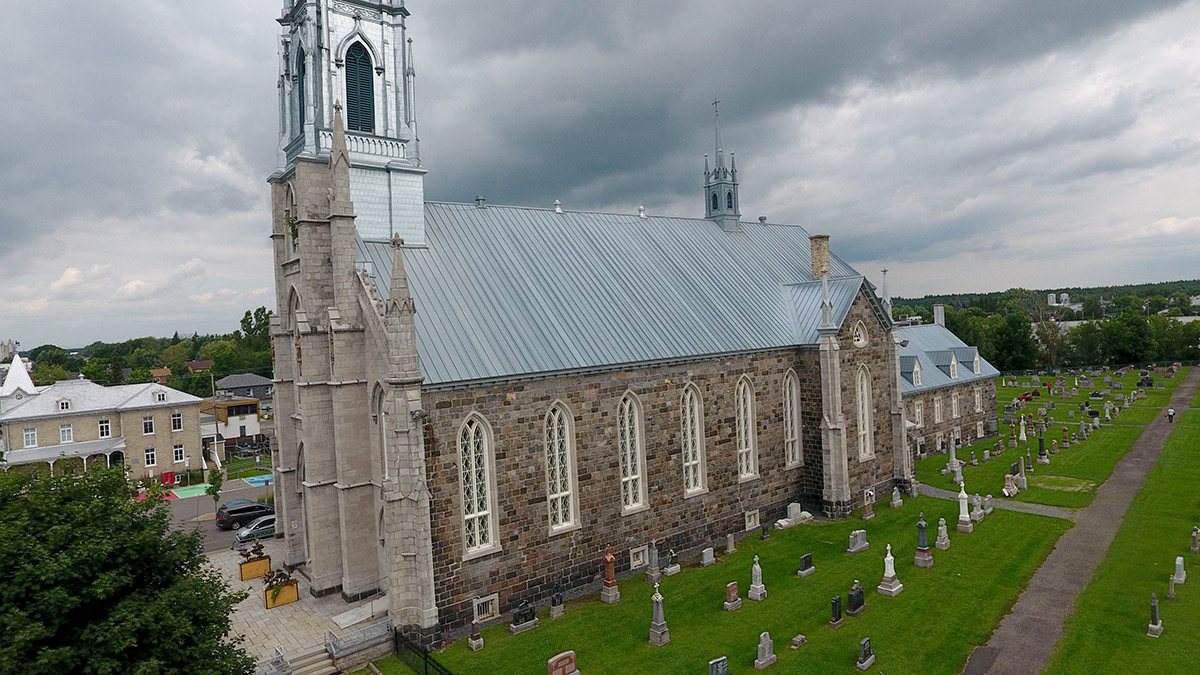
(187, 469)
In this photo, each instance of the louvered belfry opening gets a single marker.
(360, 90)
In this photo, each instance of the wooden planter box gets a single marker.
(253, 569)
(289, 593)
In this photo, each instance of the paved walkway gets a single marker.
(298, 627)
(1006, 504)
(1026, 637)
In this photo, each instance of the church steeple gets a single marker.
(721, 186)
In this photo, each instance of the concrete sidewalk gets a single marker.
(1027, 637)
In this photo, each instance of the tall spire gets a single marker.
(887, 298)
(827, 326)
(720, 184)
(339, 167)
(17, 379)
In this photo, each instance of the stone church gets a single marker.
(474, 400)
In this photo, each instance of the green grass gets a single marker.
(1107, 632)
(959, 603)
(1138, 415)
(1091, 462)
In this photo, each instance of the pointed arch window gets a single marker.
(632, 451)
(792, 453)
(478, 486)
(747, 443)
(301, 99)
(694, 478)
(866, 414)
(729, 199)
(716, 204)
(560, 469)
(360, 90)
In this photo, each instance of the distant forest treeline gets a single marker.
(990, 302)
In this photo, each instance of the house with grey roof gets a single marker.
(247, 385)
(461, 384)
(150, 429)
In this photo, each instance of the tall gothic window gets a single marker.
(746, 441)
(633, 464)
(866, 416)
(360, 90)
(694, 479)
(954, 412)
(301, 102)
(715, 204)
(729, 200)
(560, 468)
(791, 420)
(475, 457)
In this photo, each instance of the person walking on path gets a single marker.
(1170, 415)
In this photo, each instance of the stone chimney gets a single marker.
(939, 315)
(820, 253)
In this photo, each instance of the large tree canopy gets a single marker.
(96, 582)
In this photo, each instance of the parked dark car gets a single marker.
(259, 528)
(233, 517)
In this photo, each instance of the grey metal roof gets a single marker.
(934, 347)
(88, 397)
(46, 453)
(239, 380)
(507, 291)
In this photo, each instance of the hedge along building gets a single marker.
(474, 400)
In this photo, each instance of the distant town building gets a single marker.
(235, 418)
(160, 375)
(199, 365)
(248, 385)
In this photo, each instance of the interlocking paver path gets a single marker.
(1026, 637)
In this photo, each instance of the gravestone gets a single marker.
(987, 505)
(659, 633)
(806, 566)
(1180, 572)
(1010, 486)
(958, 477)
(965, 525)
(799, 641)
(1029, 460)
(890, 586)
(974, 461)
(719, 666)
(1054, 447)
(475, 640)
(653, 572)
(855, 603)
(835, 608)
(866, 657)
(1043, 456)
(766, 652)
(795, 512)
(563, 664)
(977, 508)
(707, 558)
(1195, 539)
(868, 504)
(858, 542)
(1156, 627)
(729, 547)
(1071, 414)
(987, 455)
(1171, 587)
(896, 502)
(672, 567)
(732, 599)
(609, 592)
(766, 533)
(758, 592)
(556, 602)
(943, 537)
(923, 557)
(524, 618)
(1022, 483)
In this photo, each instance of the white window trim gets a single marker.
(64, 404)
(916, 373)
(696, 437)
(954, 367)
(793, 430)
(639, 557)
(979, 432)
(746, 430)
(919, 414)
(178, 453)
(864, 400)
(489, 479)
(150, 419)
(937, 410)
(150, 454)
(491, 606)
(66, 433)
(978, 399)
(28, 433)
(638, 449)
(174, 417)
(101, 432)
(975, 365)
(572, 493)
(752, 520)
(955, 409)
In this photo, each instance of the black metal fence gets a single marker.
(414, 656)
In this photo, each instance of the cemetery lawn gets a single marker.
(959, 602)
(1139, 415)
(1069, 481)
(1107, 632)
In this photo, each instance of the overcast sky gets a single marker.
(966, 146)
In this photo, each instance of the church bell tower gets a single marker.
(721, 187)
(356, 54)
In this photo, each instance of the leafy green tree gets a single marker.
(1092, 309)
(215, 480)
(1155, 304)
(1014, 344)
(44, 374)
(96, 582)
(256, 329)
(96, 370)
(1053, 342)
(52, 355)
(116, 367)
(179, 352)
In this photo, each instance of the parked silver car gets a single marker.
(259, 528)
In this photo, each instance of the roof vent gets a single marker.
(641, 212)
(480, 201)
(762, 219)
(557, 206)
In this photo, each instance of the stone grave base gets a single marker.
(762, 664)
(942, 544)
(977, 516)
(863, 665)
(610, 595)
(837, 624)
(474, 644)
(515, 628)
(804, 573)
(671, 570)
(556, 611)
(653, 576)
(659, 636)
(1042, 460)
(757, 593)
(890, 586)
(924, 560)
(859, 549)
(1155, 630)
(731, 606)
(966, 526)
(856, 612)
(799, 641)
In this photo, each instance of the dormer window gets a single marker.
(916, 374)
(975, 365)
(953, 368)
(64, 405)
(160, 396)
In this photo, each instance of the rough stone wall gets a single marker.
(531, 559)
(966, 422)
